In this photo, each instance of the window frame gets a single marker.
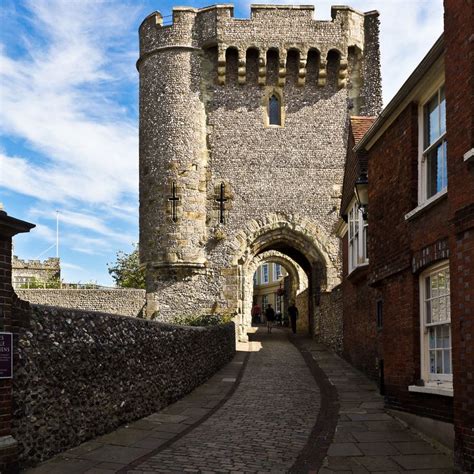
(423, 152)
(278, 93)
(361, 255)
(265, 278)
(425, 374)
(277, 274)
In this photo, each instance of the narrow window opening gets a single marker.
(274, 110)
(379, 314)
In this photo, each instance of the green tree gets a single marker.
(34, 283)
(126, 270)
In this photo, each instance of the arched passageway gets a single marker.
(300, 247)
(293, 283)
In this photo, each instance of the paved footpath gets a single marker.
(277, 407)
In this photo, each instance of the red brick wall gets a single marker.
(459, 60)
(8, 456)
(362, 339)
(392, 193)
(393, 241)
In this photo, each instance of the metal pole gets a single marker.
(57, 234)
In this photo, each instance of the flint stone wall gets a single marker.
(81, 374)
(123, 301)
(329, 325)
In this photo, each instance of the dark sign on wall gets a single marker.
(6, 355)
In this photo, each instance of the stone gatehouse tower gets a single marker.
(243, 131)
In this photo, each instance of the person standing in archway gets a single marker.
(270, 317)
(256, 312)
(293, 312)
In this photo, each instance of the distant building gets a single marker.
(267, 280)
(27, 271)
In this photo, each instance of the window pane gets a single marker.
(441, 283)
(355, 251)
(434, 286)
(442, 111)
(364, 243)
(436, 175)
(442, 178)
(428, 312)
(432, 362)
(434, 311)
(446, 336)
(432, 131)
(439, 362)
(274, 110)
(447, 361)
(431, 337)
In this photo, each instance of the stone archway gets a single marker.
(298, 278)
(298, 239)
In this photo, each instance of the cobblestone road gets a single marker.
(271, 415)
(264, 412)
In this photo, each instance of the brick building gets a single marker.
(415, 296)
(10, 323)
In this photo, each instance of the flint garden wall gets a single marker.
(81, 374)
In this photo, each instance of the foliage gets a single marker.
(34, 283)
(202, 320)
(126, 270)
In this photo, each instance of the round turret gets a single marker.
(172, 144)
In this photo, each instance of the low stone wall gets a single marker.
(80, 374)
(329, 326)
(124, 301)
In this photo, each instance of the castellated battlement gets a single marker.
(51, 263)
(282, 37)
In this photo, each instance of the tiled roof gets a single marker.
(360, 125)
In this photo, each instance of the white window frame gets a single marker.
(429, 378)
(264, 302)
(356, 237)
(277, 303)
(265, 273)
(277, 274)
(422, 152)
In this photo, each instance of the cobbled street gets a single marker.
(277, 407)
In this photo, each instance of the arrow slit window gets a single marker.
(274, 110)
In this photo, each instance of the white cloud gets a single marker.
(45, 233)
(55, 98)
(70, 266)
(76, 219)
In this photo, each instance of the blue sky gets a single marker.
(69, 115)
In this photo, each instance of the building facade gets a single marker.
(269, 286)
(25, 272)
(415, 286)
(243, 133)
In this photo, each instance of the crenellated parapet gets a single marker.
(274, 31)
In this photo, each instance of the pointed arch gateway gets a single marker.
(299, 241)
